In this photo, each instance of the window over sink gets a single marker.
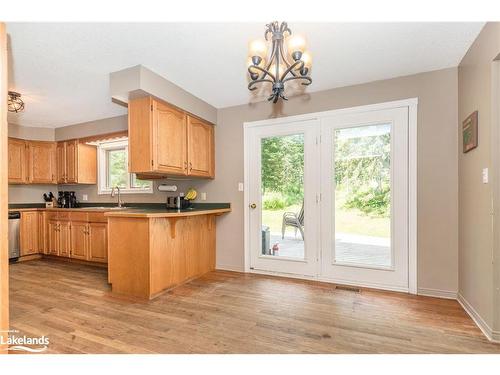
(112, 161)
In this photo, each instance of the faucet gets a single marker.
(119, 195)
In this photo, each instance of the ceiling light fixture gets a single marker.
(15, 102)
(283, 64)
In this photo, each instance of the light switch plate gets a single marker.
(240, 186)
(85, 197)
(203, 196)
(485, 176)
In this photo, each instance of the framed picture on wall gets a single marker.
(469, 132)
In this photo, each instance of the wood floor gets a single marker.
(226, 312)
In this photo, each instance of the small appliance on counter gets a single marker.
(67, 199)
(182, 201)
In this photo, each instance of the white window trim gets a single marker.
(102, 189)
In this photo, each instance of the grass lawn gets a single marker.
(350, 221)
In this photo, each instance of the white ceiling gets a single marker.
(62, 70)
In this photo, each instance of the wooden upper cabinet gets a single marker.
(61, 162)
(17, 161)
(71, 161)
(76, 163)
(42, 168)
(200, 140)
(164, 140)
(28, 233)
(169, 139)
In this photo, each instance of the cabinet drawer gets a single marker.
(97, 217)
(79, 216)
(52, 216)
(61, 215)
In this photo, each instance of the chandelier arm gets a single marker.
(266, 72)
(291, 69)
(283, 57)
(306, 78)
(253, 83)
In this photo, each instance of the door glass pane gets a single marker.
(362, 173)
(282, 182)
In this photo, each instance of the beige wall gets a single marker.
(475, 198)
(84, 129)
(33, 133)
(437, 165)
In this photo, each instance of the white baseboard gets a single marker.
(493, 336)
(439, 293)
(331, 280)
(229, 267)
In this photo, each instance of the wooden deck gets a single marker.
(354, 249)
(227, 312)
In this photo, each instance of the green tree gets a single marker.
(282, 160)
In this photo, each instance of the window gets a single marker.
(113, 169)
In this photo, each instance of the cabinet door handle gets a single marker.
(190, 166)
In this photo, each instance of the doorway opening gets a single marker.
(332, 196)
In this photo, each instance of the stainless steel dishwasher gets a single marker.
(14, 219)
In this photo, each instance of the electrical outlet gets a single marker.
(85, 197)
(203, 196)
(485, 176)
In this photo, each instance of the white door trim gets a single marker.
(412, 105)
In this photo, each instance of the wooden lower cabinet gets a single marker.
(29, 239)
(53, 238)
(98, 242)
(59, 238)
(64, 239)
(42, 232)
(69, 234)
(79, 240)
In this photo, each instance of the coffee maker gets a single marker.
(67, 199)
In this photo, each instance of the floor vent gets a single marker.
(347, 288)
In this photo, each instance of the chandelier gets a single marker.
(15, 103)
(284, 64)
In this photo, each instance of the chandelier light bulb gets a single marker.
(307, 59)
(296, 43)
(258, 48)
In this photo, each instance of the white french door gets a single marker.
(328, 198)
(283, 173)
(364, 206)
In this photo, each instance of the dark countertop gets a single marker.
(133, 209)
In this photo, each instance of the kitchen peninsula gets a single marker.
(152, 250)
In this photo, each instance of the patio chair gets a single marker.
(292, 219)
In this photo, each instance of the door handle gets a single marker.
(253, 206)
